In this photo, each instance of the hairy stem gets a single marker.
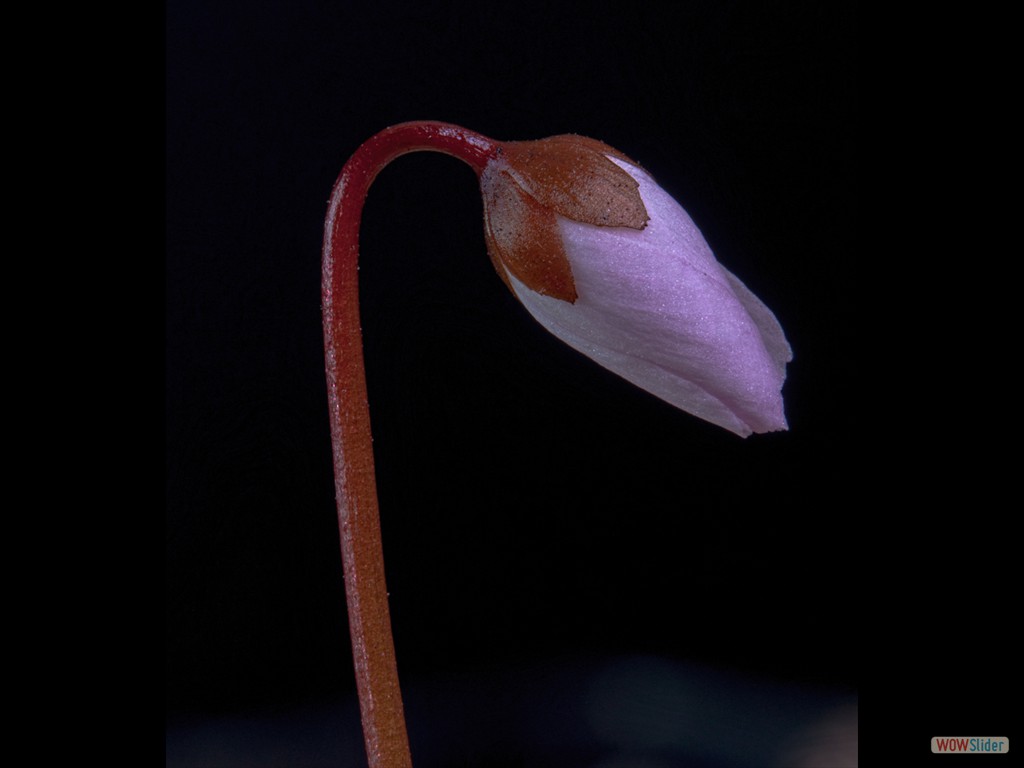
(380, 699)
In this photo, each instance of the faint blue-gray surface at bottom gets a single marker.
(635, 712)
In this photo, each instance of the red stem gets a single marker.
(380, 699)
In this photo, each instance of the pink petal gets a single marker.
(656, 308)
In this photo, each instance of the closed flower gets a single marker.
(608, 262)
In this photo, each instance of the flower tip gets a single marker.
(769, 426)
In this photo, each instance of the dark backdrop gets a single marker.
(536, 510)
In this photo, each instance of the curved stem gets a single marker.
(380, 700)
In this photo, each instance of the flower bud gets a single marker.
(608, 262)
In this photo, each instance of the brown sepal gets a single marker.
(573, 176)
(522, 236)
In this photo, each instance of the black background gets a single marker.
(535, 509)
